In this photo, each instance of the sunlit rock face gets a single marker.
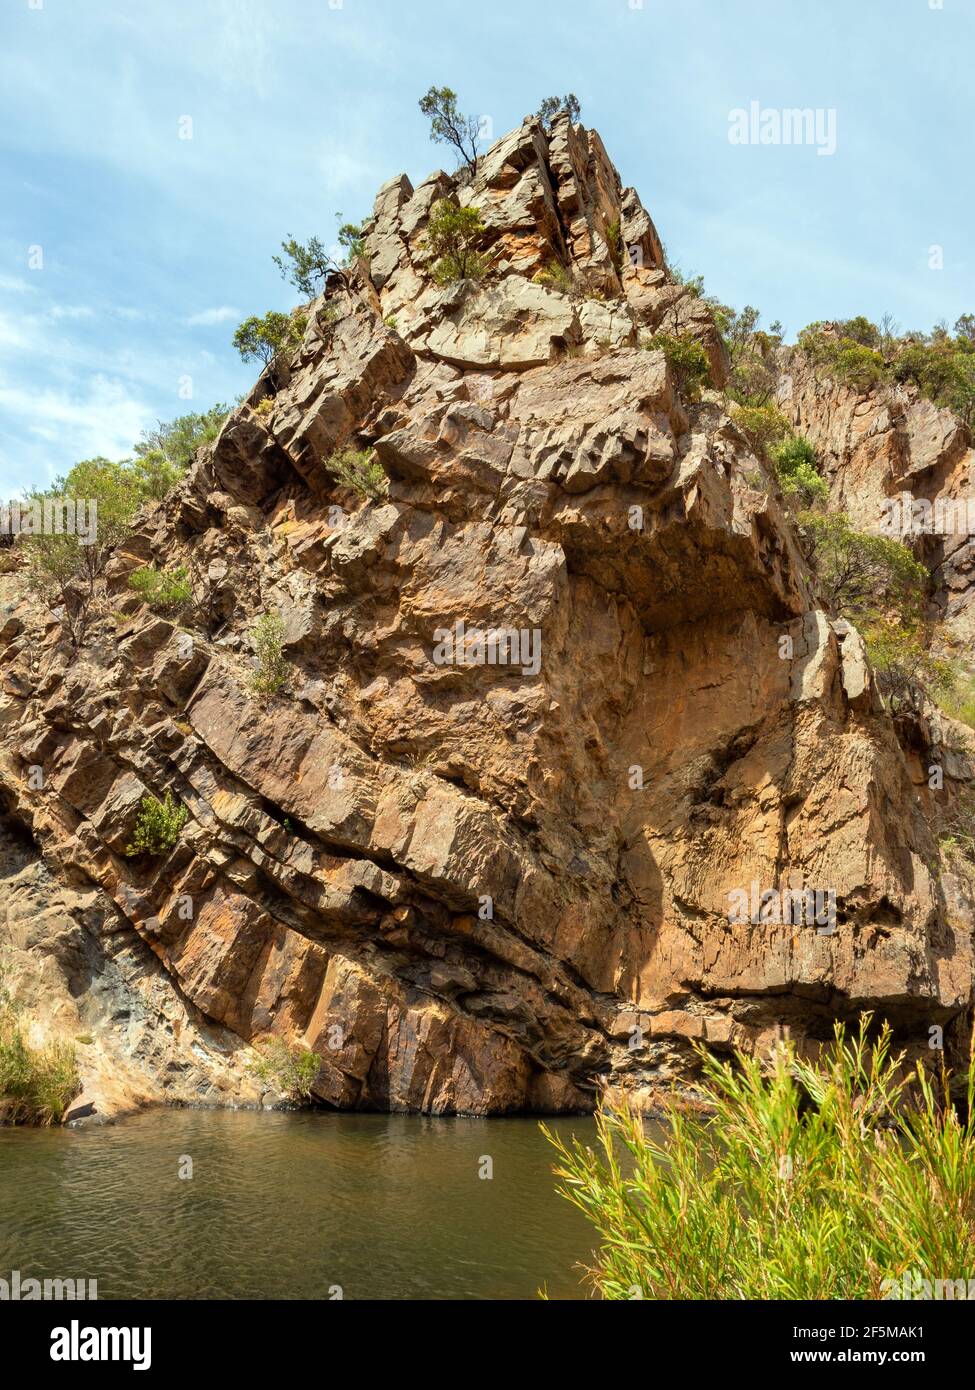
(565, 726)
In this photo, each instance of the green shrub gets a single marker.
(158, 825)
(797, 467)
(360, 470)
(289, 1069)
(453, 235)
(614, 243)
(164, 454)
(845, 358)
(165, 591)
(264, 407)
(941, 372)
(863, 574)
(959, 701)
(37, 1084)
(762, 425)
(687, 361)
(810, 1180)
(554, 106)
(271, 338)
(273, 668)
(900, 654)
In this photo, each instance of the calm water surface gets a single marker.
(288, 1205)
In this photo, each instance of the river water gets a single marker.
(300, 1205)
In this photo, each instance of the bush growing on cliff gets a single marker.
(797, 467)
(308, 265)
(360, 470)
(847, 1177)
(762, 425)
(165, 591)
(163, 454)
(289, 1069)
(877, 584)
(158, 826)
(63, 567)
(37, 1084)
(449, 127)
(554, 106)
(270, 339)
(859, 572)
(687, 361)
(452, 236)
(273, 668)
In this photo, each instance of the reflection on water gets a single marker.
(291, 1205)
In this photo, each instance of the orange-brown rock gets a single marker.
(490, 885)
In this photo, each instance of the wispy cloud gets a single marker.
(207, 317)
(71, 311)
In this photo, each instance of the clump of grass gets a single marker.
(810, 1180)
(264, 407)
(554, 276)
(165, 591)
(37, 1084)
(360, 470)
(287, 1068)
(158, 825)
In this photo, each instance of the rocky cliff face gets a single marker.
(478, 884)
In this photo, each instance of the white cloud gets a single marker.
(211, 316)
(71, 311)
(104, 420)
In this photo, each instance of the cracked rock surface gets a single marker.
(470, 886)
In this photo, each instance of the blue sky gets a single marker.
(154, 246)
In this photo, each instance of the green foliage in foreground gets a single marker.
(37, 1084)
(165, 591)
(158, 826)
(686, 359)
(810, 1180)
(288, 1069)
(360, 470)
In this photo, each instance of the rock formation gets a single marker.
(490, 884)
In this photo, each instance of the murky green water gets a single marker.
(291, 1205)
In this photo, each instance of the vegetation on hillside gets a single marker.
(453, 236)
(37, 1084)
(272, 669)
(858, 353)
(165, 591)
(64, 567)
(286, 1068)
(158, 826)
(837, 1178)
